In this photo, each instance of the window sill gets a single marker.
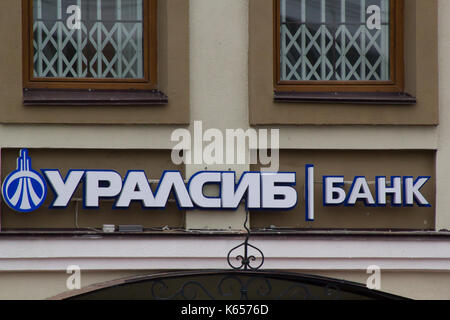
(73, 97)
(346, 97)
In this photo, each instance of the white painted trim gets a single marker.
(187, 253)
(158, 137)
(87, 136)
(359, 137)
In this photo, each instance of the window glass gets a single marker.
(107, 44)
(335, 40)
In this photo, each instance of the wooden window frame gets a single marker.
(395, 85)
(149, 82)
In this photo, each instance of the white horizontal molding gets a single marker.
(87, 136)
(189, 253)
(158, 137)
(358, 137)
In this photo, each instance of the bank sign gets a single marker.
(25, 190)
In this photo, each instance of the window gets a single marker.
(339, 45)
(113, 45)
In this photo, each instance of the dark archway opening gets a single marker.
(231, 285)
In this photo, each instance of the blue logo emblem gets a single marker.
(24, 190)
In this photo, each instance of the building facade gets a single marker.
(356, 88)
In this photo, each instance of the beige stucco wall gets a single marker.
(44, 285)
(219, 86)
(414, 285)
(219, 96)
(443, 154)
(173, 58)
(421, 65)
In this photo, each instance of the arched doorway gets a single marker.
(229, 285)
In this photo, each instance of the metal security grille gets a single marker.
(229, 285)
(109, 43)
(326, 40)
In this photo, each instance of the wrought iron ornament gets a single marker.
(245, 260)
(244, 286)
(232, 285)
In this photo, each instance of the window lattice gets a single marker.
(109, 43)
(325, 40)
